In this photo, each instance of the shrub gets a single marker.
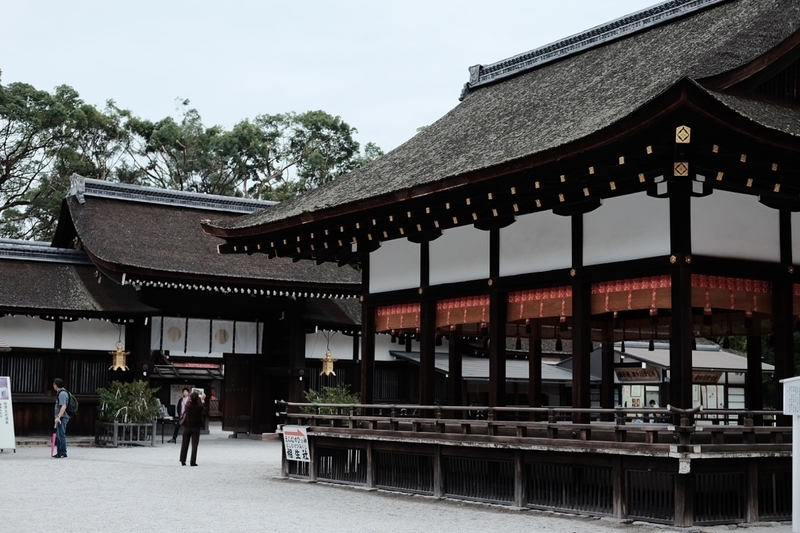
(133, 402)
(338, 394)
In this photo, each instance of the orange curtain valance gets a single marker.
(472, 309)
(540, 303)
(403, 316)
(731, 293)
(630, 294)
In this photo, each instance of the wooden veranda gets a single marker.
(673, 466)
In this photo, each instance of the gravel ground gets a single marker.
(236, 488)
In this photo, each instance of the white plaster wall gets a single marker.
(27, 332)
(85, 334)
(460, 254)
(536, 243)
(726, 224)
(634, 226)
(395, 265)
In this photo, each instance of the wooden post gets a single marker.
(620, 503)
(367, 352)
(783, 336)
(581, 348)
(535, 368)
(427, 356)
(498, 309)
(438, 474)
(607, 385)
(370, 465)
(751, 514)
(684, 500)
(455, 375)
(681, 330)
(520, 494)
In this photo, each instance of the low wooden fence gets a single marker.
(673, 466)
(123, 434)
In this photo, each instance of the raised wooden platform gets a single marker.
(709, 467)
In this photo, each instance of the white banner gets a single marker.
(7, 439)
(295, 441)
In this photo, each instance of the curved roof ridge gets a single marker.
(616, 29)
(81, 187)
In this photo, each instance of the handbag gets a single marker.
(183, 418)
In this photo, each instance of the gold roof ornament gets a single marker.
(118, 359)
(327, 364)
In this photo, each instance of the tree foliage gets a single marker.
(133, 402)
(46, 137)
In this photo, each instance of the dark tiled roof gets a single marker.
(34, 285)
(333, 311)
(556, 104)
(139, 237)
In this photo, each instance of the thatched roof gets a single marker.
(152, 234)
(37, 279)
(535, 111)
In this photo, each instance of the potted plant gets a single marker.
(127, 414)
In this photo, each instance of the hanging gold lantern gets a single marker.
(118, 358)
(327, 364)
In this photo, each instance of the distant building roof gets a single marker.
(477, 368)
(719, 360)
(37, 279)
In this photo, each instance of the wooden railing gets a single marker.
(668, 430)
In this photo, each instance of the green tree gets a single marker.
(44, 138)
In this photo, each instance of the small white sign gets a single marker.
(791, 396)
(295, 442)
(8, 440)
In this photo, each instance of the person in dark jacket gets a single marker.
(179, 408)
(192, 422)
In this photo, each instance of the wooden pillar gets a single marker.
(783, 339)
(455, 374)
(520, 485)
(427, 356)
(367, 352)
(535, 368)
(370, 474)
(581, 347)
(754, 398)
(681, 331)
(684, 500)
(498, 309)
(607, 372)
(367, 338)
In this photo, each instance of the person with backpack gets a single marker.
(62, 417)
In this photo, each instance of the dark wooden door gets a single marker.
(237, 410)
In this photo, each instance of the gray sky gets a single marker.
(386, 67)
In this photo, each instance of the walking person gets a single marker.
(61, 418)
(192, 422)
(180, 407)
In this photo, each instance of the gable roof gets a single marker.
(142, 235)
(503, 125)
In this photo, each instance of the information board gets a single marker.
(791, 396)
(295, 442)
(7, 439)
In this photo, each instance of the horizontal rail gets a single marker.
(670, 430)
